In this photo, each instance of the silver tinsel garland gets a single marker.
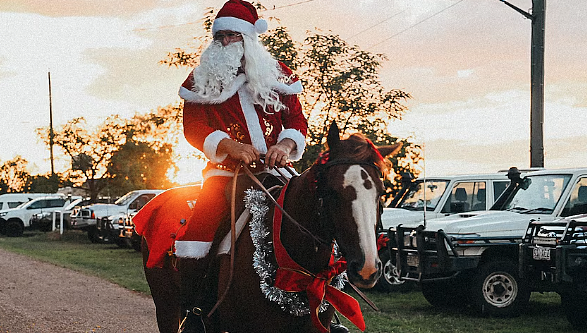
(295, 303)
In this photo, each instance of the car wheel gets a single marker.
(14, 228)
(573, 305)
(497, 290)
(136, 241)
(390, 280)
(442, 294)
(93, 234)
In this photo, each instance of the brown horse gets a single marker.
(336, 201)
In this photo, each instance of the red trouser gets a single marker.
(210, 209)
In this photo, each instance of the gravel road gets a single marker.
(39, 297)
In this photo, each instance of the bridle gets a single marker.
(324, 193)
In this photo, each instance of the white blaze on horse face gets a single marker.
(364, 209)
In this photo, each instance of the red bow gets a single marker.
(318, 288)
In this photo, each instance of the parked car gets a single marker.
(13, 200)
(553, 257)
(43, 221)
(126, 228)
(85, 218)
(473, 260)
(425, 199)
(14, 221)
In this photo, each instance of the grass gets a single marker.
(399, 312)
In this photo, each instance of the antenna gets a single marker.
(51, 134)
(424, 182)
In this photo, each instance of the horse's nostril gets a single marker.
(353, 267)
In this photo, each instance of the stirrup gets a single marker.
(338, 328)
(193, 322)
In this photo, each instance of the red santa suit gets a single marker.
(232, 115)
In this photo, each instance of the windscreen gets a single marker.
(424, 195)
(541, 195)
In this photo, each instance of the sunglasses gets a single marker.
(229, 35)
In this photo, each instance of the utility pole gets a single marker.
(537, 77)
(51, 127)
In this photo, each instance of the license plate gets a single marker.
(413, 260)
(541, 253)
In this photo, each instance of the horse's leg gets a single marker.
(164, 285)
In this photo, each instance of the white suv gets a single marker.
(14, 221)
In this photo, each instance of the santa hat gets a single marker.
(240, 16)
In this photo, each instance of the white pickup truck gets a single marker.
(14, 221)
(430, 198)
(472, 258)
(85, 218)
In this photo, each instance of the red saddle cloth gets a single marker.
(161, 218)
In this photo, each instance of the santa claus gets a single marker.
(239, 103)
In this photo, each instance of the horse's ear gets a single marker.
(390, 150)
(333, 138)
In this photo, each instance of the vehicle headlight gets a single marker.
(3, 214)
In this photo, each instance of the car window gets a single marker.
(38, 204)
(56, 203)
(15, 204)
(466, 197)
(141, 201)
(498, 188)
(577, 203)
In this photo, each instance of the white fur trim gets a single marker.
(252, 119)
(292, 89)
(233, 24)
(227, 93)
(298, 138)
(192, 249)
(211, 146)
(224, 247)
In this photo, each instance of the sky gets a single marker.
(466, 64)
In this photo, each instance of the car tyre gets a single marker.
(14, 228)
(497, 290)
(390, 280)
(93, 234)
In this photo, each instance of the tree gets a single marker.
(341, 83)
(92, 151)
(13, 175)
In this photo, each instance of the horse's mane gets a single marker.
(358, 148)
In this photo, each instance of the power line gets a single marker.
(415, 24)
(290, 5)
(376, 24)
(188, 23)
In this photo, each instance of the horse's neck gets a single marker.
(301, 203)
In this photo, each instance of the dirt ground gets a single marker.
(39, 297)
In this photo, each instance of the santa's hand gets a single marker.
(238, 151)
(278, 154)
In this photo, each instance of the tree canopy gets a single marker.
(341, 83)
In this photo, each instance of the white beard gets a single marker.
(218, 68)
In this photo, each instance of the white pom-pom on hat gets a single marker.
(260, 26)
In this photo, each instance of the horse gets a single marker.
(327, 224)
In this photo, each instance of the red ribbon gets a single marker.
(381, 242)
(291, 277)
